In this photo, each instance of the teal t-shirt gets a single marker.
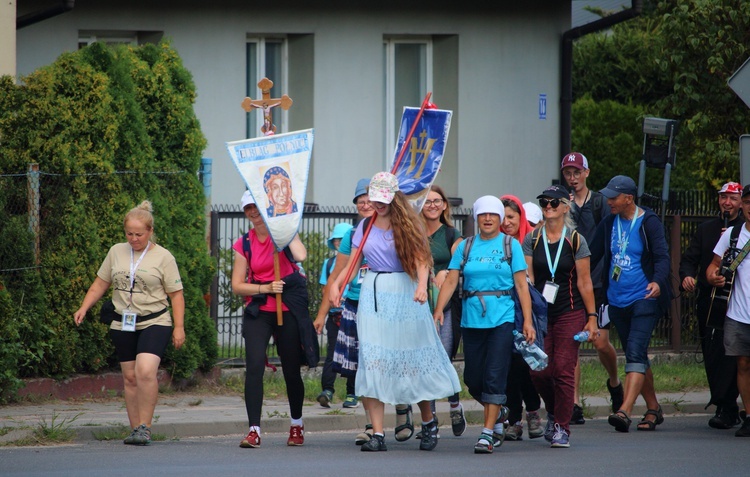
(486, 270)
(345, 247)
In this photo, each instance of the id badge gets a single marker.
(128, 320)
(361, 274)
(550, 291)
(616, 271)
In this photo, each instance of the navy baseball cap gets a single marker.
(746, 190)
(619, 185)
(555, 192)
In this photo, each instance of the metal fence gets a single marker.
(677, 331)
(21, 195)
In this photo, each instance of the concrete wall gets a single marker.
(491, 65)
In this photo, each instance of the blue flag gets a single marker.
(421, 162)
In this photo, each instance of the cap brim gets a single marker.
(609, 193)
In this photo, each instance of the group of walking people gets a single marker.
(418, 288)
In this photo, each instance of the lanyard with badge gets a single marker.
(550, 287)
(617, 270)
(130, 317)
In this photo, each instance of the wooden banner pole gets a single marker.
(277, 276)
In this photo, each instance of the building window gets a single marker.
(408, 78)
(266, 58)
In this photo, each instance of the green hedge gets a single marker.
(91, 113)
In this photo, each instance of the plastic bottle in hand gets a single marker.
(532, 354)
(581, 336)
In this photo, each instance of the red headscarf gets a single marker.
(524, 227)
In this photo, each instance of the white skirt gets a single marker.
(401, 358)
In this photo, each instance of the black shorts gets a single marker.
(153, 339)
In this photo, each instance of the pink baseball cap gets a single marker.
(575, 159)
(731, 188)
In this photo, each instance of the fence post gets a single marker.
(676, 306)
(32, 181)
(213, 246)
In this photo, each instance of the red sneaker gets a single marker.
(296, 436)
(251, 441)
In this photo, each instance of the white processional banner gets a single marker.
(275, 170)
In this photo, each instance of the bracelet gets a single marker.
(593, 314)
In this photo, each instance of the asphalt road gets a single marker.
(682, 446)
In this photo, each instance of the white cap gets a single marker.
(489, 204)
(247, 199)
(533, 212)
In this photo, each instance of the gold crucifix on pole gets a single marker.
(266, 103)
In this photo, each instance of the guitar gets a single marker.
(720, 301)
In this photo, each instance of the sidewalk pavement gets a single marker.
(194, 415)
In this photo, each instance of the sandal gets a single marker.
(648, 425)
(406, 430)
(620, 421)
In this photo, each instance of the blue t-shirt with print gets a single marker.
(487, 270)
(345, 247)
(631, 286)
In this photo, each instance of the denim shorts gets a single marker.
(635, 323)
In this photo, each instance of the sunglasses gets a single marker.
(543, 203)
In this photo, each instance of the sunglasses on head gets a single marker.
(555, 203)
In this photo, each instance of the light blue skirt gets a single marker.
(401, 358)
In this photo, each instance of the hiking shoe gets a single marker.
(429, 436)
(535, 425)
(617, 395)
(296, 436)
(418, 435)
(364, 436)
(251, 441)
(351, 401)
(404, 424)
(560, 438)
(458, 422)
(129, 440)
(142, 436)
(484, 444)
(743, 431)
(325, 398)
(515, 432)
(375, 444)
(549, 429)
(725, 419)
(577, 416)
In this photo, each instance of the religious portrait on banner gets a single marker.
(279, 194)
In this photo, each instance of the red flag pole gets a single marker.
(353, 261)
(277, 276)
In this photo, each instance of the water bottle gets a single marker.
(532, 354)
(581, 336)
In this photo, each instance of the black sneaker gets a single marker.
(429, 436)
(458, 421)
(725, 419)
(375, 444)
(617, 395)
(577, 417)
(743, 431)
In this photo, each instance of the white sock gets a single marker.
(498, 428)
(298, 422)
(256, 429)
(487, 431)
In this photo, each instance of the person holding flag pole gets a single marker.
(401, 357)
